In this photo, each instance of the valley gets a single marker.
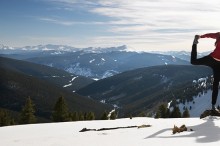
(97, 79)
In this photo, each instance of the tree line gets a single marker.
(60, 113)
(164, 112)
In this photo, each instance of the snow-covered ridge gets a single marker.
(181, 54)
(59, 49)
(3, 47)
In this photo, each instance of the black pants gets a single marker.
(211, 62)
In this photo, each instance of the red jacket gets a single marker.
(216, 52)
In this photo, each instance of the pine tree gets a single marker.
(27, 114)
(168, 113)
(158, 115)
(75, 116)
(142, 114)
(85, 116)
(61, 113)
(113, 115)
(81, 116)
(176, 112)
(104, 116)
(90, 116)
(5, 118)
(186, 113)
(162, 112)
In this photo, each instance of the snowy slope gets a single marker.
(201, 103)
(205, 132)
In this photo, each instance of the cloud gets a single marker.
(56, 21)
(72, 23)
(145, 21)
(160, 13)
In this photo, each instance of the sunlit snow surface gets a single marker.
(205, 132)
(201, 102)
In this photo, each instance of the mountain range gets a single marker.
(95, 79)
(96, 63)
(184, 55)
(144, 89)
(21, 79)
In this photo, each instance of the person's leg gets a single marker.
(194, 54)
(194, 60)
(215, 91)
(216, 75)
(207, 60)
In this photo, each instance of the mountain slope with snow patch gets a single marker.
(199, 104)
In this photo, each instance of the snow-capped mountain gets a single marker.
(96, 63)
(106, 64)
(35, 51)
(56, 49)
(182, 54)
(6, 49)
(3, 47)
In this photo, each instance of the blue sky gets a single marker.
(146, 25)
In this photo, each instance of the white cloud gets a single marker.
(147, 21)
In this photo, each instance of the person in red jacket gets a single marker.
(212, 60)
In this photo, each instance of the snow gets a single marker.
(138, 78)
(76, 69)
(49, 64)
(56, 53)
(109, 73)
(205, 132)
(95, 79)
(201, 102)
(67, 85)
(169, 103)
(91, 60)
(46, 49)
(109, 114)
(73, 79)
(202, 79)
(102, 101)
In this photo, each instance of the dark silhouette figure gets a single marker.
(212, 60)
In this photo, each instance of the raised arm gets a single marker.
(210, 35)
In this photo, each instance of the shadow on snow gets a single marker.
(204, 133)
